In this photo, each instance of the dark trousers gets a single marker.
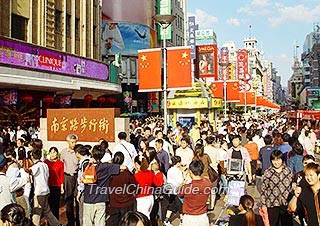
(115, 214)
(54, 200)
(70, 183)
(279, 216)
(45, 210)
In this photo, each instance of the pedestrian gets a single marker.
(275, 190)
(96, 195)
(68, 157)
(13, 214)
(309, 196)
(195, 204)
(40, 173)
(56, 180)
(134, 218)
(123, 201)
(246, 216)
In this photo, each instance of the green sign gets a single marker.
(164, 8)
(316, 104)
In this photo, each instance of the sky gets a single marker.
(278, 25)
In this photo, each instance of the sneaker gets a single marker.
(167, 223)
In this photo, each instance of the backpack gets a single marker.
(89, 175)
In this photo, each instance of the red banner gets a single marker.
(250, 97)
(217, 89)
(149, 70)
(233, 91)
(179, 67)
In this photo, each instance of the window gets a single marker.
(57, 21)
(77, 28)
(19, 27)
(68, 25)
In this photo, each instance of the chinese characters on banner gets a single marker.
(89, 124)
(224, 59)
(192, 36)
(242, 71)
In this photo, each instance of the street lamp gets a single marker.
(164, 22)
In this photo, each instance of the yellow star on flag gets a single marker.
(143, 57)
(184, 55)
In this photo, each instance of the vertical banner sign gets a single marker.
(242, 70)
(164, 8)
(149, 70)
(207, 61)
(179, 67)
(224, 59)
(192, 35)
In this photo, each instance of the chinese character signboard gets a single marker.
(207, 61)
(164, 8)
(224, 59)
(192, 36)
(33, 57)
(242, 70)
(89, 124)
(187, 103)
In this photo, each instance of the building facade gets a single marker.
(50, 51)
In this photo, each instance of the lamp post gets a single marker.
(164, 22)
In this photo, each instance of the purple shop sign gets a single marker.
(39, 58)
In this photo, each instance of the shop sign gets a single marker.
(88, 124)
(187, 103)
(18, 54)
(216, 102)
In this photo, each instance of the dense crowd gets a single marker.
(152, 176)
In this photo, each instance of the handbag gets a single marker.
(213, 175)
(89, 175)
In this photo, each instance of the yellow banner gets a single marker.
(187, 103)
(216, 103)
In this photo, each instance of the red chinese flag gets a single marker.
(149, 70)
(251, 96)
(217, 89)
(233, 90)
(260, 101)
(179, 67)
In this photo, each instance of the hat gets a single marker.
(3, 160)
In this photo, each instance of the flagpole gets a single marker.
(164, 21)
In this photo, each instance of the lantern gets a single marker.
(101, 99)
(48, 99)
(111, 100)
(88, 98)
(26, 98)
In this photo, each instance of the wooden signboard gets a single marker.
(90, 124)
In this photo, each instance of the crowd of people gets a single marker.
(153, 176)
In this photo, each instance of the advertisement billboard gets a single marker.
(205, 37)
(137, 11)
(33, 57)
(245, 79)
(164, 8)
(207, 61)
(124, 38)
(8, 97)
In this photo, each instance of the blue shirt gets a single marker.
(264, 157)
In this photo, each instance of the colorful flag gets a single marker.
(233, 90)
(149, 70)
(217, 88)
(179, 67)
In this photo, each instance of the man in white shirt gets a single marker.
(20, 132)
(159, 135)
(40, 172)
(212, 152)
(127, 149)
(185, 152)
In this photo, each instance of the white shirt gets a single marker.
(106, 158)
(40, 172)
(20, 133)
(214, 156)
(174, 178)
(185, 154)
(129, 152)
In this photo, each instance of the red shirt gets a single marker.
(195, 196)
(56, 173)
(145, 181)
